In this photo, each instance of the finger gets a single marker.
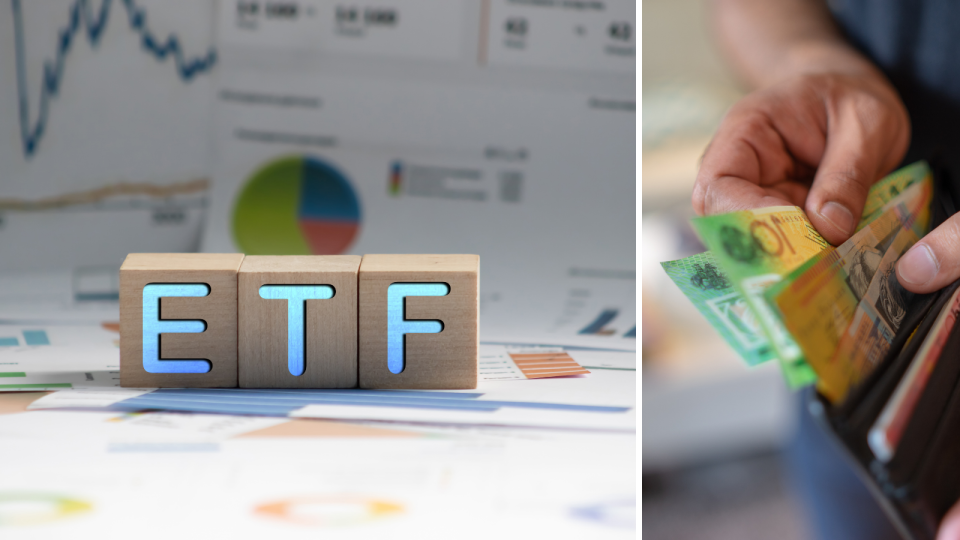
(730, 194)
(859, 151)
(934, 261)
(745, 164)
(950, 526)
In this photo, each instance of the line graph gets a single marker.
(102, 193)
(83, 17)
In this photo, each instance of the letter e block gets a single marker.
(178, 320)
(419, 321)
(298, 321)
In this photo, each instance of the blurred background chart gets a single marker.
(498, 127)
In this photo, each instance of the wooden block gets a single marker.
(216, 344)
(443, 360)
(324, 345)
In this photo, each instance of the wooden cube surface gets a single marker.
(323, 345)
(217, 343)
(441, 360)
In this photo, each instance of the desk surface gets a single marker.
(109, 473)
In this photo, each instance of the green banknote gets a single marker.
(756, 249)
(754, 256)
(714, 296)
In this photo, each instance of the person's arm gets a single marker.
(821, 126)
(769, 41)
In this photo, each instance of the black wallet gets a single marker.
(921, 480)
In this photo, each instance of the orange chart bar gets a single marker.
(541, 365)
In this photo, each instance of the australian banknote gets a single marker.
(701, 280)
(873, 326)
(704, 279)
(890, 187)
(818, 302)
(756, 248)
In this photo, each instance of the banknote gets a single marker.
(916, 200)
(887, 430)
(872, 329)
(892, 185)
(709, 289)
(755, 249)
(735, 284)
(818, 301)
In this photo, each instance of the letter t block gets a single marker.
(178, 320)
(419, 321)
(298, 321)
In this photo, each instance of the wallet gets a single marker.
(920, 480)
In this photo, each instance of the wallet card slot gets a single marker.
(853, 420)
(928, 414)
(936, 487)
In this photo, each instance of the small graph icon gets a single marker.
(84, 20)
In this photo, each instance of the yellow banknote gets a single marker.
(819, 302)
(872, 328)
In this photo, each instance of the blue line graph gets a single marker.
(94, 23)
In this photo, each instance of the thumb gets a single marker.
(852, 161)
(950, 526)
(934, 261)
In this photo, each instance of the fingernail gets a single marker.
(838, 216)
(919, 265)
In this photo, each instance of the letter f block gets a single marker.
(419, 321)
(178, 320)
(298, 321)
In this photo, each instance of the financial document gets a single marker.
(104, 123)
(433, 126)
(255, 485)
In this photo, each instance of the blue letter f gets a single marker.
(398, 325)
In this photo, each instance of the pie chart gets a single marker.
(296, 205)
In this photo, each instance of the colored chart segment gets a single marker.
(329, 510)
(296, 205)
(38, 508)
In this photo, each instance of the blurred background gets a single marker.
(714, 430)
(499, 127)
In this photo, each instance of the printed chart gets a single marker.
(296, 205)
(104, 118)
(328, 510)
(36, 508)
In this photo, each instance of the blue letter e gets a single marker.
(153, 327)
(398, 325)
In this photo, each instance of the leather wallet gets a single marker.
(918, 481)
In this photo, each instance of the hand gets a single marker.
(950, 526)
(818, 141)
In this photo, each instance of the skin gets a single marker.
(820, 126)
